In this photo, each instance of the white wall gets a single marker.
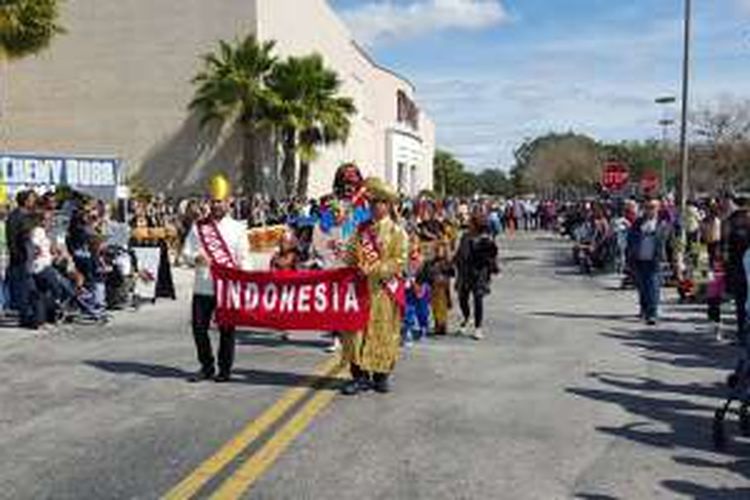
(312, 26)
(119, 81)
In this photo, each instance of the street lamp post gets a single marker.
(665, 123)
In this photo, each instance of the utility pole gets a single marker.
(684, 151)
(665, 124)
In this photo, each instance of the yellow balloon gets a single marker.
(221, 189)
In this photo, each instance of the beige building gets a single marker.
(119, 82)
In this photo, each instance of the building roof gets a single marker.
(376, 65)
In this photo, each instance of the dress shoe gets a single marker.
(199, 377)
(222, 378)
(381, 384)
(351, 388)
(357, 385)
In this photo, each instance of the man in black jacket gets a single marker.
(736, 243)
(20, 281)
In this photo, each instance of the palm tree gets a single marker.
(309, 112)
(231, 89)
(27, 26)
(332, 125)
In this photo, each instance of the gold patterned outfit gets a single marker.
(441, 299)
(376, 349)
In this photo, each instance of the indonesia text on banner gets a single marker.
(335, 300)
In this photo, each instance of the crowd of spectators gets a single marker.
(643, 242)
(67, 255)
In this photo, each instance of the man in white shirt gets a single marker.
(195, 252)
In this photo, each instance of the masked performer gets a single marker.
(340, 215)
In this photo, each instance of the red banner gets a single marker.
(335, 300)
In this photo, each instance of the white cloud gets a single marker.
(387, 20)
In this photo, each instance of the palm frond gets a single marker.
(28, 26)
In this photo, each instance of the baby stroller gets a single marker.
(739, 387)
(119, 280)
(739, 390)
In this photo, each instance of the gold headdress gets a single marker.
(379, 190)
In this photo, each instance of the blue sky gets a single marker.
(492, 72)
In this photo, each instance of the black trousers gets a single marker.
(463, 300)
(203, 311)
(740, 298)
(25, 297)
(714, 309)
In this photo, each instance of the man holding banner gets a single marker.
(217, 240)
(380, 250)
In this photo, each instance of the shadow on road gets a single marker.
(135, 368)
(665, 415)
(253, 339)
(593, 317)
(239, 376)
(694, 490)
(518, 258)
(682, 349)
(631, 318)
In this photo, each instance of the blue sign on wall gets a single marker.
(97, 176)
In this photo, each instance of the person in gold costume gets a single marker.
(379, 249)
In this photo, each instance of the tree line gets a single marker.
(451, 178)
(556, 164)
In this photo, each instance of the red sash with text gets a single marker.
(395, 288)
(215, 245)
(331, 300)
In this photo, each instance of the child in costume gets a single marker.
(441, 271)
(287, 257)
(417, 314)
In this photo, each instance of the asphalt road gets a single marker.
(568, 397)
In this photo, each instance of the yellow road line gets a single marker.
(213, 465)
(249, 472)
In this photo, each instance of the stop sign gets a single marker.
(615, 175)
(650, 183)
